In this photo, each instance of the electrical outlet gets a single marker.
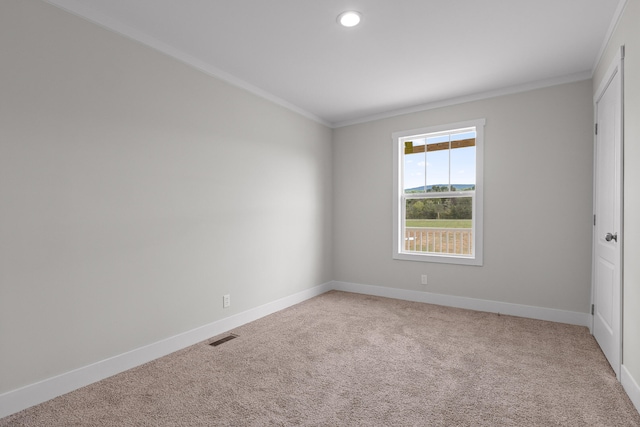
(226, 301)
(424, 279)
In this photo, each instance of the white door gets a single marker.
(607, 237)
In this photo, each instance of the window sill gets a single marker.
(441, 259)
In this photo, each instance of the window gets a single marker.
(437, 200)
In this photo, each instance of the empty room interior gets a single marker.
(171, 172)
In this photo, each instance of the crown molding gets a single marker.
(81, 10)
(540, 84)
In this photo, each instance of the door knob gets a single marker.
(609, 237)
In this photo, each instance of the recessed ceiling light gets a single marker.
(349, 19)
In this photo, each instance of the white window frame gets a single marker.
(399, 197)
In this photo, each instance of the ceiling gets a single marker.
(406, 54)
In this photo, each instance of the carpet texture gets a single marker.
(344, 359)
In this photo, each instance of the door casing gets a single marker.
(615, 71)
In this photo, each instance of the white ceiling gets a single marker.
(405, 55)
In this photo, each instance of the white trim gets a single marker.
(82, 10)
(33, 394)
(540, 84)
(631, 386)
(616, 69)
(528, 311)
(398, 207)
(612, 28)
(608, 76)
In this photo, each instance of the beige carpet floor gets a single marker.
(344, 359)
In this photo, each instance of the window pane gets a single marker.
(463, 161)
(414, 166)
(438, 163)
(439, 225)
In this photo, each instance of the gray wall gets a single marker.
(136, 191)
(628, 33)
(537, 206)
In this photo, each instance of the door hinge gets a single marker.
(593, 309)
(596, 128)
(594, 219)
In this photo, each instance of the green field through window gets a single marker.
(439, 223)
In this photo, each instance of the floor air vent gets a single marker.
(223, 340)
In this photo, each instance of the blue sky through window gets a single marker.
(440, 167)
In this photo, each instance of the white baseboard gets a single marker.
(531, 312)
(33, 394)
(630, 386)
